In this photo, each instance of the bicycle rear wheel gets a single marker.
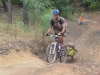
(51, 53)
(63, 55)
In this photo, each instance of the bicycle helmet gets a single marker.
(55, 11)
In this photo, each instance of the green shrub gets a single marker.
(45, 19)
(67, 12)
(95, 6)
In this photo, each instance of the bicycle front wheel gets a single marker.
(63, 55)
(51, 53)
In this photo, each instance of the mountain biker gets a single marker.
(58, 24)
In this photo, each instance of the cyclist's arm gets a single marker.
(49, 30)
(64, 25)
(63, 30)
(50, 27)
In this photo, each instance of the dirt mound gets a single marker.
(20, 63)
(15, 57)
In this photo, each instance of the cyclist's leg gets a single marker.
(61, 40)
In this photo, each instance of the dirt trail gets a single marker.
(22, 63)
(86, 62)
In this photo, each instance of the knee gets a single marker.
(60, 37)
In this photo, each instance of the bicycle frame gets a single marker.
(55, 43)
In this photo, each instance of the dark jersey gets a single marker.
(58, 26)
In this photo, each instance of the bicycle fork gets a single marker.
(52, 50)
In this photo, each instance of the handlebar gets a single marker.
(52, 35)
(56, 35)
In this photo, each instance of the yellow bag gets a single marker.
(71, 51)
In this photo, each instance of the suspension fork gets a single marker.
(54, 47)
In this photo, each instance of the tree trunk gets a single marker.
(4, 5)
(9, 12)
(25, 13)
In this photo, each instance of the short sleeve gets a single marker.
(64, 24)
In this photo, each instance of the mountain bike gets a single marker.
(55, 51)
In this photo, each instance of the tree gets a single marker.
(25, 13)
(4, 5)
(65, 7)
(9, 12)
(37, 8)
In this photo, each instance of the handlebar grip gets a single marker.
(47, 35)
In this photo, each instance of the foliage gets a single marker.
(92, 4)
(39, 4)
(60, 4)
(95, 6)
(63, 6)
(38, 9)
(66, 7)
(19, 2)
(45, 19)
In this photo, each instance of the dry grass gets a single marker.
(32, 35)
(18, 30)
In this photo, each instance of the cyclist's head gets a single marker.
(55, 13)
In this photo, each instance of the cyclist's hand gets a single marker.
(59, 34)
(46, 34)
